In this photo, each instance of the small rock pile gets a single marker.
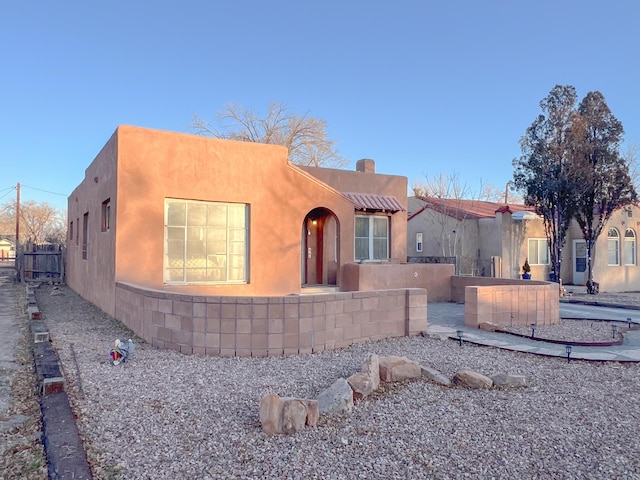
(289, 415)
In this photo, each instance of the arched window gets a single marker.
(629, 247)
(613, 246)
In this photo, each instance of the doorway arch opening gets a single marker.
(320, 247)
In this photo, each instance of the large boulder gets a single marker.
(397, 369)
(367, 380)
(338, 398)
(287, 415)
(361, 384)
(470, 379)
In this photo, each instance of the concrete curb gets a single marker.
(595, 303)
(63, 447)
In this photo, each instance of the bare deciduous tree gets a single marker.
(305, 137)
(445, 185)
(450, 201)
(39, 222)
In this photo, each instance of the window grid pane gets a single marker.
(613, 247)
(538, 251)
(205, 242)
(371, 238)
(629, 247)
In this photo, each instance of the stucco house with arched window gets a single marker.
(494, 239)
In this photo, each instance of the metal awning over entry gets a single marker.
(372, 202)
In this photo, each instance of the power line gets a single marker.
(10, 191)
(46, 191)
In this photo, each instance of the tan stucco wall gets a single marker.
(460, 283)
(364, 182)
(435, 278)
(94, 277)
(613, 278)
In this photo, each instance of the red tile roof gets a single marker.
(461, 209)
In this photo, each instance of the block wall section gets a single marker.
(512, 305)
(269, 326)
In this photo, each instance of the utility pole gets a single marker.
(18, 218)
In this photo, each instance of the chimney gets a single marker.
(366, 165)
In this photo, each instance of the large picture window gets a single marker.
(538, 251)
(613, 247)
(372, 238)
(205, 242)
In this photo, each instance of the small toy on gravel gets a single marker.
(121, 352)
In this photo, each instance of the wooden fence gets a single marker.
(41, 263)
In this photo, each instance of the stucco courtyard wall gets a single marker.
(269, 326)
(378, 276)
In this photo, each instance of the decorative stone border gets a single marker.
(63, 447)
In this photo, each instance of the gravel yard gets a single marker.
(169, 416)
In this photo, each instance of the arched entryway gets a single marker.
(320, 247)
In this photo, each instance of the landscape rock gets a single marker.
(371, 367)
(397, 369)
(361, 384)
(503, 380)
(338, 398)
(470, 379)
(287, 415)
(435, 376)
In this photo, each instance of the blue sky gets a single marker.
(422, 87)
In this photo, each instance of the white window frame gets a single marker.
(541, 248)
(629, 247)
(613, 247)
(106, 215)
(371, 219)
(419, 242)
(85, 236)
(172, 266)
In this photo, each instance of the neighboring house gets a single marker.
(7, 249)
(194, 215)
(480, 235)
(495, 239)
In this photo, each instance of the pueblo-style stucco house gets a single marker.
(205, 245)
(494, 239)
